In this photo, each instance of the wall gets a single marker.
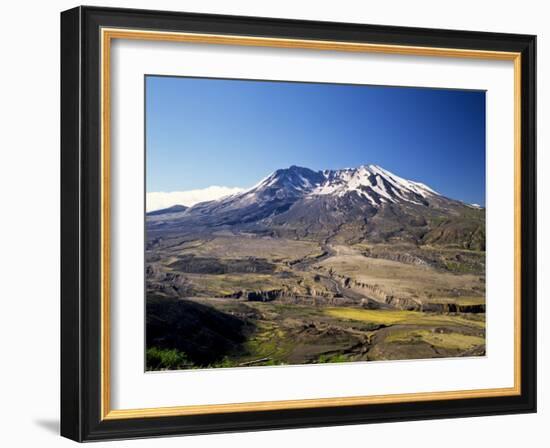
(29, 182)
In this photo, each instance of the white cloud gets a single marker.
(159, 200)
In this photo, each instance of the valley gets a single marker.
(302, 269)
(300, 302)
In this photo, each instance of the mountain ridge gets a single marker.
(363, 203)
(172, 209)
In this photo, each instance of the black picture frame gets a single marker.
(81, 224)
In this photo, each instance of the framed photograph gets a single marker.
(273, 223)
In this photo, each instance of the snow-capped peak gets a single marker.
(373, 183)
(370, 183)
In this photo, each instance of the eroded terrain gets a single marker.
(228, 298)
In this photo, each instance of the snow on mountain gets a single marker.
(355, 204)
(305, 193)
(283, 185)
(369, 185)
(369, 182)
(372, 183)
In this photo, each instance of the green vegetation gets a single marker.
(455, 266)
(225, 362)
(392, 317)
(166, 359)
(451, 341)
(284, 333)
(324, 358)
(269, 343)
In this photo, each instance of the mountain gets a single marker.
(354, 204)
(174, 209)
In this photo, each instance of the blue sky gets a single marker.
(203, 132)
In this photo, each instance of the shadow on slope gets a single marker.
(203, 335)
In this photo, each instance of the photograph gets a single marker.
(292, 223)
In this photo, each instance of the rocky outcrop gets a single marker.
(404, 303)
(452, 308)
(263, 296)
(169, 283)
(381, 295)
(372, 290)
(401, 257)
(258, 295)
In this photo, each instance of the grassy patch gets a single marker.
(462, 268)
(224, 284)
(269, 341)
(166, 359)
(393, 317)
(225, 362)
(325, 359)
(452, 341)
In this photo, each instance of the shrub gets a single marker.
(166, 359)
